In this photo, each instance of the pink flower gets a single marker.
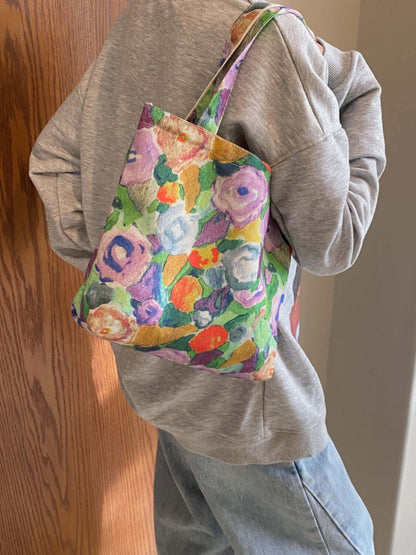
(109, 323)
(123, 256)
(242, 195)
(142, 159)
(182, 142)
(148, 313)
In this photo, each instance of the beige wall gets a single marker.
(372, 347)
(334, 20)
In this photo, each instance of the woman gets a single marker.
(242, 466)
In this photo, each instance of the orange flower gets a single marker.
(169, 192)
(185, 293)
(209, 339)
(204, 257)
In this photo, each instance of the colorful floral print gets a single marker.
(190, 266)
(123, 256)
(242, 196)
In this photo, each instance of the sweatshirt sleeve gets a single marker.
(54, 168)
(324, 195)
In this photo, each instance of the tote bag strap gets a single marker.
(210, 107)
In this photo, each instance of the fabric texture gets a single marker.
(304, 507)
(190, 266)
(317, 121)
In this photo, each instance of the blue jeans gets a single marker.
(203, 506)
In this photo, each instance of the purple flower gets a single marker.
(148, 313)
(248, 299)
(242, 195)
(216, 303)
(214, 229)
(206, 357)
(123, 256)
(149, 284)
(142, 159)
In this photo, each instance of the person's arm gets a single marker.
(54, 168)
(324, 195)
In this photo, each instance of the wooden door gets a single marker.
(76, 462)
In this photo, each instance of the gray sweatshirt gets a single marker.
(315, 119)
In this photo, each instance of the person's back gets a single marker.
(324, 185)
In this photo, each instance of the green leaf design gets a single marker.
(172, 317)
(216, 363)
(129, 210)
(162, 208)
(122, 298)
(207, 175)
(181, 344)
(228, 244)
(157, 114)
(163, 173)
(112, 220)
(235, 322)
(160, 258)
(153, 206)
(262, 333)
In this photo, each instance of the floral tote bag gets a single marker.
(190, 267)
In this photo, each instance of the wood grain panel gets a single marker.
(76, 463)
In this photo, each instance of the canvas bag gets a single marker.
(190, 266)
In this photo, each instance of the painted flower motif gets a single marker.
(242, 195)
(247, 299)
(98, 294)
(185, 292)
(205, 357)
(213, 229)
(148, 286)
(215, 276)
(169, 192)
(242, 266)
(202, 318)
(222, 104)
(181, 143)
(148, 313)
(109, 323)
(217, 302)
(123, 256)
(241, 25)
(204, 257)
(239, 333)
(142, 159)
(209, 339)
(276, 304)
(177, 229)
(146, 119)
(267, 370)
